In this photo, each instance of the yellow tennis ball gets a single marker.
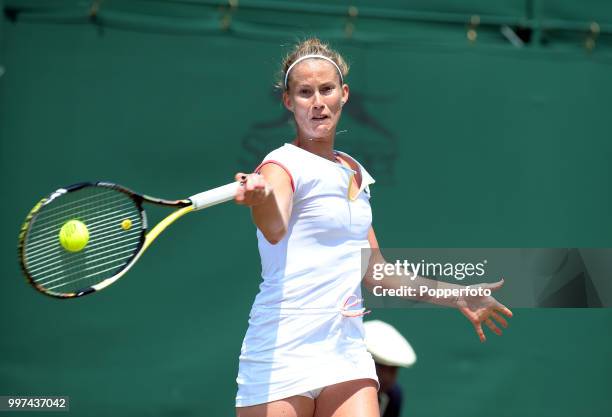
(126, 224)
(73, 236)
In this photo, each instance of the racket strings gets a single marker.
(48, 266)
(77, 270)
(52, 258)
(110, 205)
(113, 268)
(98, 196)
(114, 224)
(43, 246)
(59, 217)
(72, 272)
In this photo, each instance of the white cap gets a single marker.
(387, 345)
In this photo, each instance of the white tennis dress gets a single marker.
(300, 337)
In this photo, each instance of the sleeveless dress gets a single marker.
(302, 336)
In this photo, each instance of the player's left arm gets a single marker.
(477, 309)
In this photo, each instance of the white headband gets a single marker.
(297, 61)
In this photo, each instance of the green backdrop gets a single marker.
(473, 144)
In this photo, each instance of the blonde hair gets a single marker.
(311, 46)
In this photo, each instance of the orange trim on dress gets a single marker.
(271, 161)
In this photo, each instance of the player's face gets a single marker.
(315, 98)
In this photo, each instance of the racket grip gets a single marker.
(215, 196)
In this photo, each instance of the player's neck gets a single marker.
(323, 147)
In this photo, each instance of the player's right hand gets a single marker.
(254, 189)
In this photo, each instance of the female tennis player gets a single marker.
(304, 353)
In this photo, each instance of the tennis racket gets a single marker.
(82, 238)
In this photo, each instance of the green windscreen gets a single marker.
(485, 124)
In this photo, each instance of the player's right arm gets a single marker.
(270, 196)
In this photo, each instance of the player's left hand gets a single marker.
(485, 309)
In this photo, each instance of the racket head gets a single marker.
(116, 226)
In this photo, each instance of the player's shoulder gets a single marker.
(282, 158)
(287, 157)
(282, 152)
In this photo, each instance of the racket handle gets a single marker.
(214, 196)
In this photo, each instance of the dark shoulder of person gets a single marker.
(394, 407)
